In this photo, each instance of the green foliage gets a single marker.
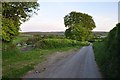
(85, 43)
(101, 57)
(19, 39)
(10, 28)
(19, 11)
(13, 14)
(79, 26)
(55, 36)
(78, 33)
(108, 53)
(33, 40)
(56, 43)
(82, 19)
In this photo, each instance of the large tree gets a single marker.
(79, 25)
(13, 15)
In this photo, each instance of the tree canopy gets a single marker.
(13, 15)
(79, 25)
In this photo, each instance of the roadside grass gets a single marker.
(99, 50)
(17, 63)
(100, 55)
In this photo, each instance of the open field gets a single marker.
(44, 33)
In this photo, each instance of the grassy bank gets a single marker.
(16, 63)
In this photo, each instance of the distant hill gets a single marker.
(44, 33)
(98, 33)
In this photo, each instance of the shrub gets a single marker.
(33, 39)
(56, 43)
(85, 43)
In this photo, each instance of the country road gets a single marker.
(79, 65)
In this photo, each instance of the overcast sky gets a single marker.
(51, 15)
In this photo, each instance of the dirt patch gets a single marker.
(26, 49)
(50, 60)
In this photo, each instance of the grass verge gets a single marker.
(99, 50)
(16, 63)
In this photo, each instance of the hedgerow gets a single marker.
(58, 43)
(107, 54)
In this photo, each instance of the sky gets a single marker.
(50, 17)
(119, 12)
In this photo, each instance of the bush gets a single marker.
(85, 43)
(56, 43)
(33, 39)
(55, 36)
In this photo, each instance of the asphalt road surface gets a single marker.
(79, 65)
